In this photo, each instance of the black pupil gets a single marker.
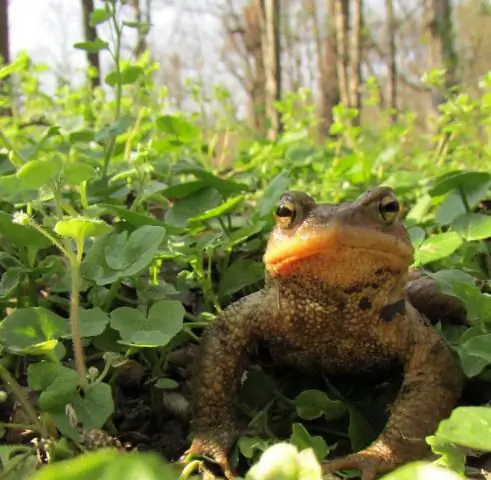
(391, 206)
(283, 211)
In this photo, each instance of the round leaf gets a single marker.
(37, 173)
(76, 173)
(26, 328)
(81, 228)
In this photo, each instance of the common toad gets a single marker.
(338, 296)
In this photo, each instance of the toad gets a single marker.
(339, 296)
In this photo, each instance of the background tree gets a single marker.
(391, 61)
(4, 31)
(90, 34)
(270, 43)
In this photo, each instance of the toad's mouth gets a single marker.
(283, 251)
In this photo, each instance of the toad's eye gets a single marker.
(388, 209)
(286, 213)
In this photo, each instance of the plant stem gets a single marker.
(15, 157)
(16, 390)
(119, 88)
(78, 350)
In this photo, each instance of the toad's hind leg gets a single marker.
(431, 387)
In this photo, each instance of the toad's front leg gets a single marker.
(431, 387)
(216, 378)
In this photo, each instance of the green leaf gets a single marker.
(437, 247)
(21, 235)
(133, 255)
(226, 207)
(93, 46)
(249, 446)
(92, 322)
(225, 186)
(460, 179)
(184, 189)
(469, 427)
(21, 63)
(192, 205)
(179, 127)
(135, 219)
(58, 384)
(278, 462)
(473, 226)
(166, 384)
(451, 208)
(128, 75)
(81, 228)
(76, 173)
(95, 407)
(451, 456)
(360, 432)
(164, 322)
(272, 194)
(82, 136)
(312, 404)
(240, 274)
(37, 173)
(110, 464)
(302, 439)
(32, 330)
(421, 471)
(475, 354)
(98, 16)
(117, 128)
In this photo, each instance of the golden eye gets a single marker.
(286, 213)
(388, 209)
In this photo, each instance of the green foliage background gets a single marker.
(102, 189)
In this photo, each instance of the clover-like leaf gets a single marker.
(473, 226)
(164, 322)
(421, 471)
(76, 173)
(93, 322)
(32, 330)
(22, 235)
(80, 228)
(38, 173)
(437, 247)
(302, 439)
(58, 384)
(311, 404)
(240, 274)
(110, 464)
(95, 407)
(129, 255)
(469, 427)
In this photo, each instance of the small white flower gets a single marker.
(20, 218)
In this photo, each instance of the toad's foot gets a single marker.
(215, 444)
(370, 462)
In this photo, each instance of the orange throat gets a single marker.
(336, 254)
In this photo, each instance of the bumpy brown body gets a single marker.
(336, 298)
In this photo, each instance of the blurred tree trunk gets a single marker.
(91, 35)
(4, 31)
(257, 81)
(355, 57)
(341, 12)
(4, 49)
(141, 42)
(442, 54)
(391, 61)
(243, 39)
(326, 65)
(270, 41)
